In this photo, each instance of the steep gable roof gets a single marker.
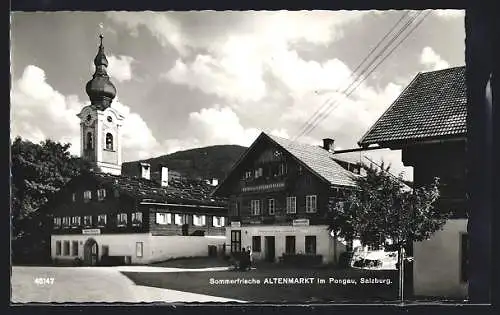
(434, 105)
(319, 161)
(179, 191)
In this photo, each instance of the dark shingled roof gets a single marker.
(433, 105)
(179, 191)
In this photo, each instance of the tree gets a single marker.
(38, 171)
(383, 207)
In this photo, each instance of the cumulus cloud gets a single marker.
(120, 67)
(432, 60)
(40, 112)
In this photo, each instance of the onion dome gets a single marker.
(100, 89)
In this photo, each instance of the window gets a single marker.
(101, 220)
(90, 142)
(271, 206)
(66, 248)
(291, 205)
(66, 221)
(255, 207)
(311, 244)
(311, 203)
(162, 218)
(73, 197)
(218, 221)
(178, 219)
(138, 249)
(199, 220)
(248, 174)
(258, 172)
(101, 194)
(290, 244)
(87, 220)
(58, 248)
(75, 222)
(87, 195)
(185, 219)
(57, 222)
(282, 169)
(74, 248)
(235, 241)
(121, 219)
(464, 265)
(105, 250)
(256, 244)
(109, 141)
(136, 218)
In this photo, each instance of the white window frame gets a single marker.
(161, 218)
(75, 221)
(185, 218)
(199, 220)
(178, 219)
(139, 249)
(101, 194)
(291, 204)
(248, 174)
(259, 172)
(102, 216)
(311, 203)
(57, 222)
(87, 195)
(137, 217)
(66, 222)
(90, 220)
(255, 206)
(271, 206)
(121, 219)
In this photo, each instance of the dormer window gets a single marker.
(101, 194)
(87, 195)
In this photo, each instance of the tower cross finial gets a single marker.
(101, 36)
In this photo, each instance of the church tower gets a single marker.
(100, 124)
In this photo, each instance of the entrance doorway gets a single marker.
(270, 248)
(91, 252)
(235, 241)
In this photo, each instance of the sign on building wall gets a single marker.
(91, 231)
(235, 224)
(300, 222)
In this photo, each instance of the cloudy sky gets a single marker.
(193, 79)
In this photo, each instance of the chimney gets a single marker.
(328, 144)
(215, 182)
(145, 170)
(164, 176)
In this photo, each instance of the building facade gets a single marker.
(278, 195)
(102, 214)
(428, 123)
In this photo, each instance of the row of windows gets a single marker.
(67, 248)
(291, 205)
(271, 170)
(87, 195)
(310, 244)
(180, 219)
(76, 221)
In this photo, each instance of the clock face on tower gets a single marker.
(88, 120)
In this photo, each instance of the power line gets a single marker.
(304, 125)
(319, 118)
(328, 111)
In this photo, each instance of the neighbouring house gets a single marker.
(102, 214)
(428, 123)
(278, 194)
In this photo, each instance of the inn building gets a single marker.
(102, 213)
(278, 194)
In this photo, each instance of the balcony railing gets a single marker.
(252, 187)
